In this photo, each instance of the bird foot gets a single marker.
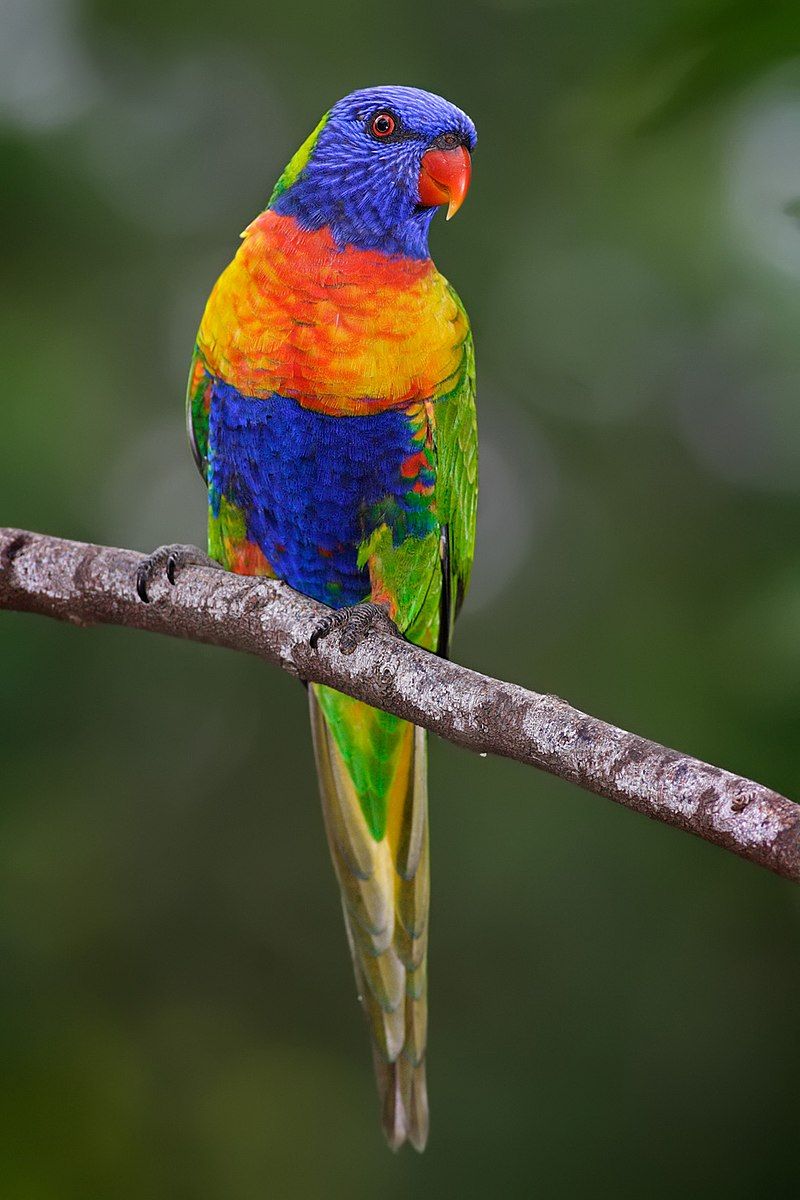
(170, 560)
(356, 622)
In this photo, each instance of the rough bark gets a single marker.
(89, 585)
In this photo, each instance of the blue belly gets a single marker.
(311, 486)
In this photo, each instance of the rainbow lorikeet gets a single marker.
(331, 409)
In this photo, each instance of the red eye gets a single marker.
(383, 125)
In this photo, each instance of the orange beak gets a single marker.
(444, 178)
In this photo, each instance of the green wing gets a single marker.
(457, 485)
(198, 403)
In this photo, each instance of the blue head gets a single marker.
(362, 171)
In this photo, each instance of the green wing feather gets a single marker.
(198, 404)
(457, 480)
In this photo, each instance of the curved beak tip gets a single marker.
(445, 178)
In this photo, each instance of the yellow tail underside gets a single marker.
(385, 889)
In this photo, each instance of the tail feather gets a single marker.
(413, 898)
(416, 1030)
(411, 950)
(385, 895)
(386, 1020)
(404, 1102)
(393, 1111)
(413, 830)
(383, 970)
(361, 869)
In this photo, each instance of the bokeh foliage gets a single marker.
(614, 1006)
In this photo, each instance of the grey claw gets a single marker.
(141, 583)
(357, 622)
(169, 559)
(327, 626)
(147, 571)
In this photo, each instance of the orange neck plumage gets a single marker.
(341, 331)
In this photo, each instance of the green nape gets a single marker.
(369, 742)
(297, 162)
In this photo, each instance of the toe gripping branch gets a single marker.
(356, 623)
(170, 559)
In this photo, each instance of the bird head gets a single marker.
(377, 167)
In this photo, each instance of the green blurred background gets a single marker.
(613, 1004)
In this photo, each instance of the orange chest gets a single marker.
(341, 331)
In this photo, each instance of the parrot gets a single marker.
(331, 413)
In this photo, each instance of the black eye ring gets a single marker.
(448, 141)
(382, 125)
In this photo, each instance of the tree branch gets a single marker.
(89, 585)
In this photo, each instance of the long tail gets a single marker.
(372, 772)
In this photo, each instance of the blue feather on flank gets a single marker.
(294, 473)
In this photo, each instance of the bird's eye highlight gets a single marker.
(383, 125)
